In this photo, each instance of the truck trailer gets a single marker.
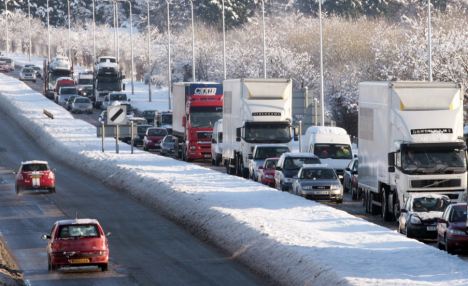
(256, 111)
(410, 142)
(197, 106)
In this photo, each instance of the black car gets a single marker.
(418, 218)
(141, 131)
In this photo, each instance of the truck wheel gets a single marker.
(396, 208)
(386, 215)
(373, 209)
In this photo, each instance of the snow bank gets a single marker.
(296, 241)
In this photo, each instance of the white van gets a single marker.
(331, 144)
(217, 143)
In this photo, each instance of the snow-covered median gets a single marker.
(296, 241)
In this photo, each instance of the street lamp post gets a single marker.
(149, 54)
(168, 54)
(193, 43)
(29, 28)
(6, 26)
(224, 43)
(322, 110)
(429, 37)
(131, 40)
(48, 32)
(69, 31)
(264, 40)
(94, 33)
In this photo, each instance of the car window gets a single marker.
(157, 132)
(318, 174)
(68, 90)
(169, 139)
(81, 230)
(27, 70)
(458, 214)
(293, 163)
(35, 167)
(428, 204)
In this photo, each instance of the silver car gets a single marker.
(81, 104)
(27, 73)
(318, 182)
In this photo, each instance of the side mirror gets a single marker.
(278, 168)
(403, 210)
(441, 220)
(250, 156)
(213, 141)
(129, 99)
(184, 121)
(108, 234)
(348, 169)
(45, 236)
(296, 133)
(354, 172)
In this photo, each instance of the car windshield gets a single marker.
(318, 174)
(333, 151)
(205, 116)
(118, 96)
(82, 100)
(142, 129)
(148, 113)
(35, 167)
(27, 70)
(157, 132)
(295, 163)
(36, 68)
(166, 119)
(108, 85)
(429, 204)
(169, 139)
(267, 132)
(271, 163)
(268, 152)
(68, 91)
(78, 230)
(458, 214)
(85, 81)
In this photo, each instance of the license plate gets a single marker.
(431, 228)
(321, 192)
(79, 261)
(207, 156)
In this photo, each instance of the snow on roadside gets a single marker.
(296, 241)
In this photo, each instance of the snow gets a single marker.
(296, 241)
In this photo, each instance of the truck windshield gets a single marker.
(269, 152)
(166, 119)
(267, 132)
(205, 116)
(85, 81)
(333, 151)
(112, 85)
(442, 160)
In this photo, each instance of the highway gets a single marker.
(145, 247)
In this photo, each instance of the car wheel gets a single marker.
(439, 243)
(104, 267)
(339, 201)
(17, 190)
(408, 233)
(448, 248)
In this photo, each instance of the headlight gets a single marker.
(335, 187)
(415, 220)
(456, 232)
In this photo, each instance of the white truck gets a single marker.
(410, 142)
(255, 111)
(331, 144)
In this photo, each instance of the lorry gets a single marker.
(57, 68)
(256, 111)
(410, 142)
(331, 144)
(107, 78)
(163, 119)
(197, 106)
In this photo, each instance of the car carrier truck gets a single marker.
(410, 141)
(56, 68)
(255, 111)
(197, 106)
(107, 78)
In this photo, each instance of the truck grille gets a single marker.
(438, 183)
(204, 136)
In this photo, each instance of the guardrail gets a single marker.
(48, 114)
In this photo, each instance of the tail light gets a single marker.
(51, 175)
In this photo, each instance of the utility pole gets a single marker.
(322, 110)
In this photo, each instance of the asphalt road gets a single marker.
(145, 247)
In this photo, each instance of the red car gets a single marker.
(451, 228)
(153, 138)
(35, 175)
(77, 242)
(267, 172)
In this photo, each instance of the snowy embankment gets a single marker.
(296, 241)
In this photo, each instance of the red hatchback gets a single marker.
(153, 138)
(267, 172)
(78, 242)
(452, 231)
(35, 175)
